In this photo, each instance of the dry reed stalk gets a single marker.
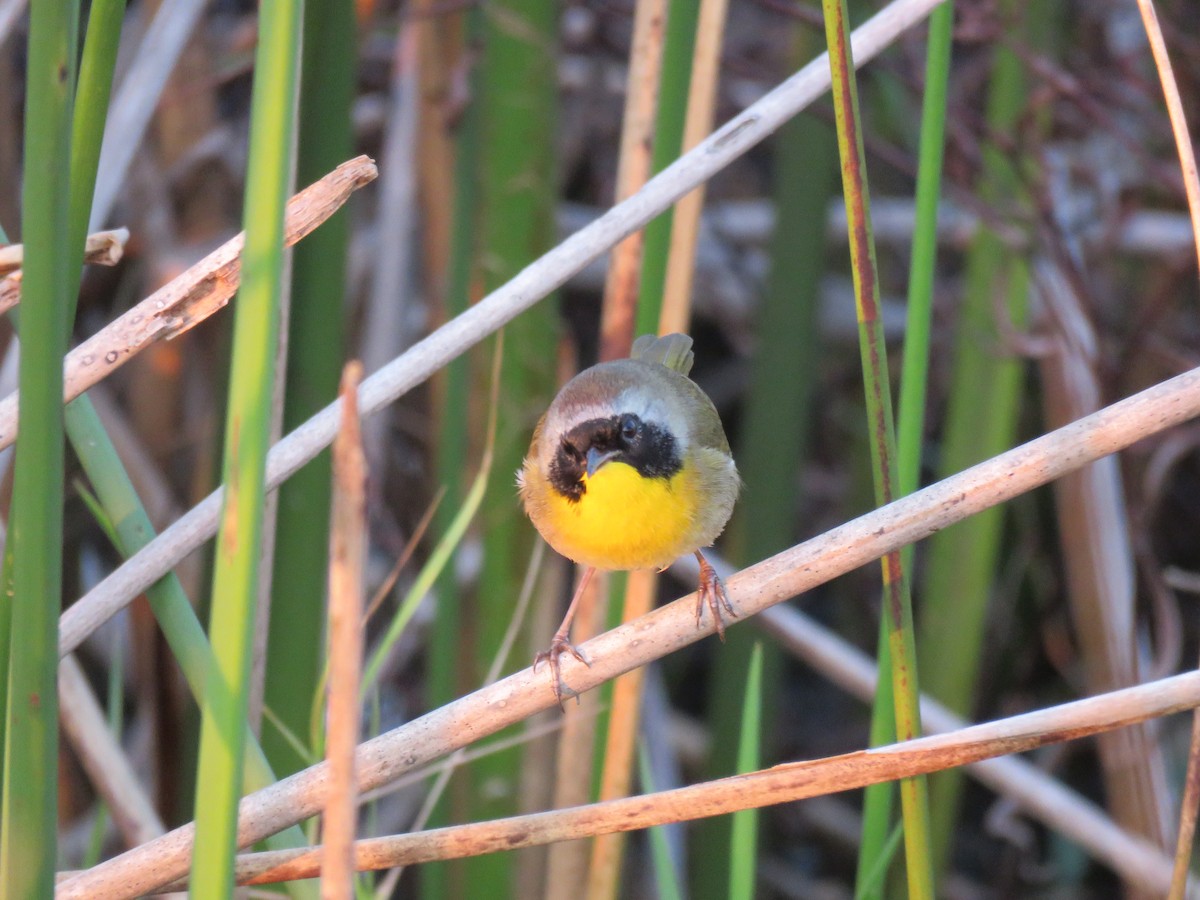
(621, 744)
(619, 309)
(567, 863)
(617, 325)
(1098, 560)
(685, 227)
(107, 766)
(347, 557)
(1179, 125)
(104, 248)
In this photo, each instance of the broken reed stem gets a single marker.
(103, 248)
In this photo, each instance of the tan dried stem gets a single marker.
(347, 557)
(575, 757)
(620, 746)
(1098, 559)
(107, 766)
(685, 226)
(669, 628)
(619, 310)
(617, 320)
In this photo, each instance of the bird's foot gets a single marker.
(711, 593)
(559, 644)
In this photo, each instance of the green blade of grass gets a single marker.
(517, 194)
(28, 817)
(981, 421)
(132, 530)
(96, 67)
(316, 347)
(444, 676)
(115, 493)
(743, 844)
(247, 434)
(878, 834)
(881, 432)
(666, 878)
(923, 261)
(874, 876)
(95, 83)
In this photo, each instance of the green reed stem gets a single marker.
(29, 816)
(897, 603)
(247, 436)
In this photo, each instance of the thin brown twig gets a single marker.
(410, 547)
(1187, 816)
(1179, 125)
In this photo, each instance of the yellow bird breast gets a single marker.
(624, 520)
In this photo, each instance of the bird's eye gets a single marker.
(630, 428)
(572, 451)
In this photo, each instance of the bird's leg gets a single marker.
(712, 593)
(561, 642)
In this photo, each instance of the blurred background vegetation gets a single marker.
(1064, 278)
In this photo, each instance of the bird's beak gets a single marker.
(596, 459)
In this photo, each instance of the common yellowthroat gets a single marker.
(630, 468)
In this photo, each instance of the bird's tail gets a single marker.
(671, 350)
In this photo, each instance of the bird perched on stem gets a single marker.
(630, 468)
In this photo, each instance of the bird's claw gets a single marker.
(711, 593)
(559, 645)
